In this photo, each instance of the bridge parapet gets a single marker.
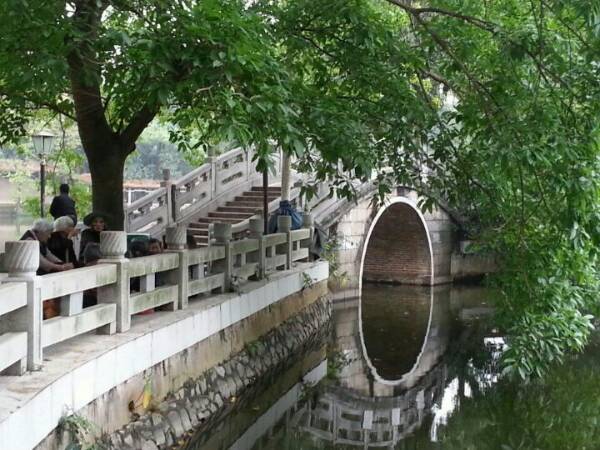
(180, 201)
(169, 281)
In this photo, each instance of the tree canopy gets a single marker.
(490, 106)
(513, 147)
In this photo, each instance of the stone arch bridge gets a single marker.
(394, 242)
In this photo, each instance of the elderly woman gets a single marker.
(60, 243)
(41, 231)
(97, 224)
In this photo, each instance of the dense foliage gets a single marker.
(112, 66)
(491, 107)
(551, 414)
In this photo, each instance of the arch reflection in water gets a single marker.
(403, 330)
(393, 340)
(362, 409)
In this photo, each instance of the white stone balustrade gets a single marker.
(179, 201)
(169, 280)
(21, 308)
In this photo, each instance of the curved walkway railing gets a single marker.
(169, 280)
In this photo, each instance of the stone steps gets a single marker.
(274, 189)
(259, 194)
(239, 209)
(231, 215)
(248, 203)
(208, 220)
(258, 199)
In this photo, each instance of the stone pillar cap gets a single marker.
(113, 244)
(21, 257)
(222, 231)
(176, 237)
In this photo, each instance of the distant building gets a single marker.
(132, 189)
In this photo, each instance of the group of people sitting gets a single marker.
(57, 249)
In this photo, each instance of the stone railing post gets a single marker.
(257, 232)
(113, 245)
(167, 184)
(307, 222)
(223, 234)
(176, 240)
(212, 160)
(21, 260)
(284, 225)
(248, 156)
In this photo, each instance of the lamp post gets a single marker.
(42, 143)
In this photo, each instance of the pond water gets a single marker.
(414, 368)
(12, 227)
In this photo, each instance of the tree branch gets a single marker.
(476, 21)
(137, 125)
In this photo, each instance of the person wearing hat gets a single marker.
(97, 224)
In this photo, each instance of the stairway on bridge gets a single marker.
(239, 209)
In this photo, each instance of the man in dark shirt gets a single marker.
(63, 205)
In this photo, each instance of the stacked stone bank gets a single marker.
(213, 393)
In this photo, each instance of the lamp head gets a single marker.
(43, 143)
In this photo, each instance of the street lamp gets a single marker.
(42, 143)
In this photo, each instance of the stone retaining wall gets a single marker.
(214, 392)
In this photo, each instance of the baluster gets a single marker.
(248, 163)
(284, 225)
(307, 222)
(213, 174)
(167, 199)
(257, 232)
(71, 304)
(22, 259)
(222, 233)
(113, 245)
(176, 239)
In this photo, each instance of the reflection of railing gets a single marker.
(373, 422)
(179, 201)
(126, 287)
(268, 421)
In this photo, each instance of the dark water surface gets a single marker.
(414, 368)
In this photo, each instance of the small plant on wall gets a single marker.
(330, 254)
(79, 432)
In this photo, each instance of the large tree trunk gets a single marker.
(107, 185)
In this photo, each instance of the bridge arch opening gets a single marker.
(397, 248)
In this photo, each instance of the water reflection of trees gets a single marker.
(562, 412)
